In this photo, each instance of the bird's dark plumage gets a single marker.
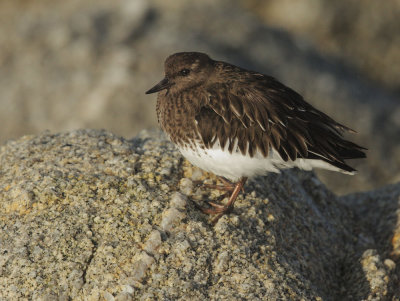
(229, 102)
(207, 106)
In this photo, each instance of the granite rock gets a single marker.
(87, 215)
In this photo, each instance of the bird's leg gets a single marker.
(226, 185)
(219, 209)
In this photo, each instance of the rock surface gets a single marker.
(86, 215)
(72, 64)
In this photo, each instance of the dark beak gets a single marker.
(164, 84)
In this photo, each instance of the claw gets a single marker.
(220, 209)
(215, 205)
(216, 218)
(216, 209)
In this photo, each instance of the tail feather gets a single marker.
(346, 150)
(349, 150)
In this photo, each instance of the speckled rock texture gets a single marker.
(87, 215)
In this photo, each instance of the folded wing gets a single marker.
(267, 115)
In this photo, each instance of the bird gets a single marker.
(238, 124)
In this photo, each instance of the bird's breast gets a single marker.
(176, 117)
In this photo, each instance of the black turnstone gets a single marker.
(238, 123)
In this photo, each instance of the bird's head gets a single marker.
(184, 70)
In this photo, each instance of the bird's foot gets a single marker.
(219, 209)
(216, 209)
(226, 185)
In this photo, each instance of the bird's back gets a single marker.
(249, 114)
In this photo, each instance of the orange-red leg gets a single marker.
(218, 209)
(226, 185)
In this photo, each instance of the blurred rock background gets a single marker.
(86, 64)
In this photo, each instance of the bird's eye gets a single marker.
(184, 72)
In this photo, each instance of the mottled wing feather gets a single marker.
(266, 114)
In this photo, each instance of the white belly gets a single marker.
(234, 166)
